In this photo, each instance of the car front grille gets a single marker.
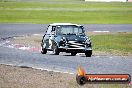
(75, 44)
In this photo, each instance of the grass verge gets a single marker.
(115, 43)
(60, 11)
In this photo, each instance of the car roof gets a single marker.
(54, 24)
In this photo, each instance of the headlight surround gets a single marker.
(88, 41)
(62, 41)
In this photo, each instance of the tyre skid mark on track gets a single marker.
(20, 46)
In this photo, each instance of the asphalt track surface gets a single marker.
(7, 30)
(64, 62)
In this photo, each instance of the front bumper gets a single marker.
(77, 50)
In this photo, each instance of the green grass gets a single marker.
(117, 43)
(65, 11)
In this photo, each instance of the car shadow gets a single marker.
(67, 55)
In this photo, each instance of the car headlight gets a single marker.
(88, 41)
(62, 41)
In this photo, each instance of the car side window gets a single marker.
(53, 28)
(49, 30)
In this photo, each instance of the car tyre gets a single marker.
(56, 50)
(44, 51)
(88, 53)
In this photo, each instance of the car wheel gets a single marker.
(88, 53)
(44, 51)
(73, 54)
(81, 80)
(56, 50)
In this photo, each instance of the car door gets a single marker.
(47, 37)
(51, 37)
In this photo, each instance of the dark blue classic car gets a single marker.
(66, 37)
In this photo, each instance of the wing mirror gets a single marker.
(82, 29)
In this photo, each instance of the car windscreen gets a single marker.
(69, 29)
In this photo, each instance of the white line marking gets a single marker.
(36, 34)
(39, 68)
(101, 31)
(24, 48)
(53, 70)
(111, 57)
